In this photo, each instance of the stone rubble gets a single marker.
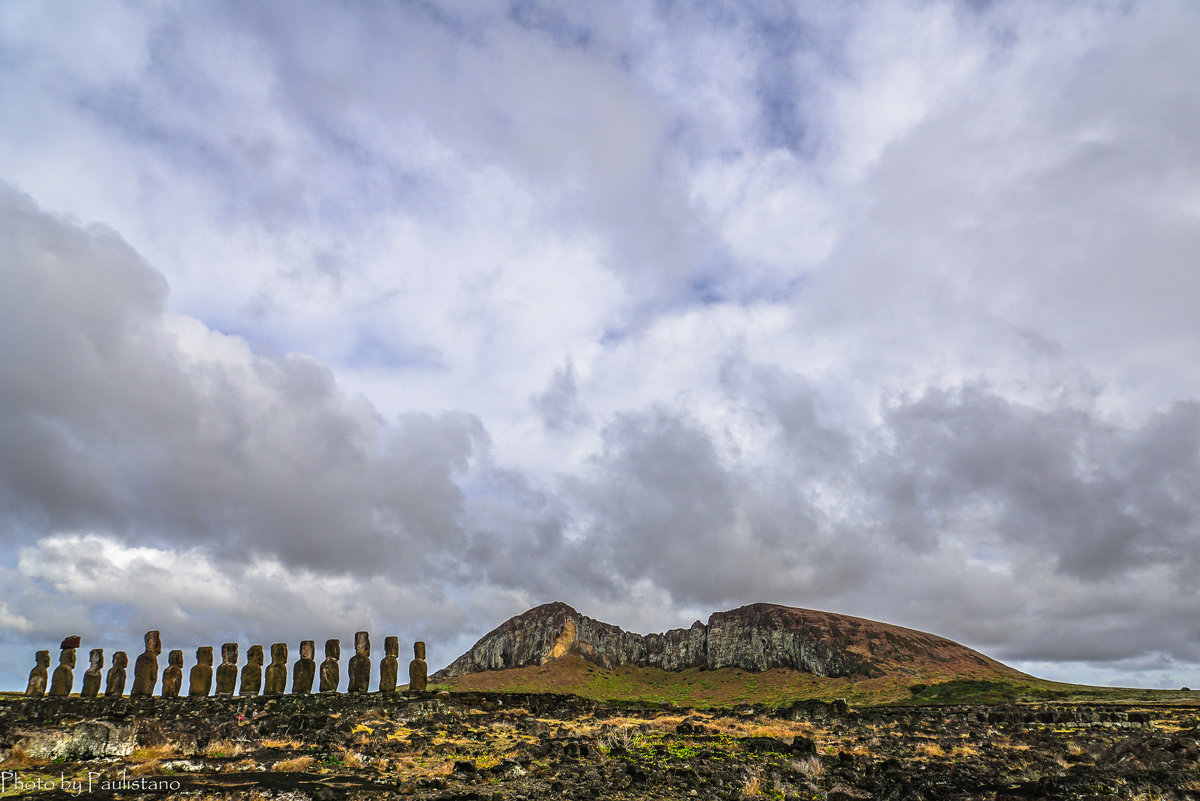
(520, 747)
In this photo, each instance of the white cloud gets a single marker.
(497, 299)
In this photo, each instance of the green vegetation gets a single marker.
(703, 689)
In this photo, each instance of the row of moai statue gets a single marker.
(253, 682)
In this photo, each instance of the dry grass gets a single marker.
(781, 729)
(18, 757)
(149, 768)
(279, 744)
(929, 750)
(295, 765)
(152, 753)
(516, 711)
(811, 766)
(624, 737)
(753, 785)
(224, 748)
(415, 766)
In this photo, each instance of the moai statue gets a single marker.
(305, 669)
(330, 673)
(227, 671)
(418, 669)
(200, 679)
(389, 666)
(39, 676)
(173, 675)
(114, 685)
(360, 664)
(145, 669)
(92, 676)
(252, 671)
(275, 680)
(64, 674)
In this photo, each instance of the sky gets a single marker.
(406, 317)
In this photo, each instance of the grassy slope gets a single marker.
(728, 686)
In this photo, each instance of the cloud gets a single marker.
(558, 404)
(656, 309)
(121, 418)
(109, 592)
(1037, 532)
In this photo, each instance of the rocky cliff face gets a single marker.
(755, 637)
(554, 630)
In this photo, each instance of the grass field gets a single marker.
(730, 686)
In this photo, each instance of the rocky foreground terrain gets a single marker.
(541, 746)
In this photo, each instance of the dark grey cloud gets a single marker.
(1097, 498)
(1029, 531)
(1039, 532)
(117, 417)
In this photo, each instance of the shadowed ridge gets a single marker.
(763, 636)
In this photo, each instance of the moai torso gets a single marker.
(418, 670)
(173, 675)
(39, 677)
(200, 677)
(305, 669)
(330, 673)
(227, 671)
(252, 672)
(114, 684)
(275, 680)
(145, 669)
(64, 674)
(360, 664)
(93, 675)
(389, 666)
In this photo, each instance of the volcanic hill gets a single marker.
(760, 652)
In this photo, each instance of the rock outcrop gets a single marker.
(755, 637)
(491, 746)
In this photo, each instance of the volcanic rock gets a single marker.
(757, 637)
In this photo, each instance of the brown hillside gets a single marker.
(755, 652)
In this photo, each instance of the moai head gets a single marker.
(153, 643)
(419, 649)
(120, 659)
(391, 646)
(279, 653)
(204, 655)
(308, 649)
(43, 659)
(96, 659)
(333, 649)
(229, 653)
(67, 657)
(175, 659)
(362, 643)
(255, 655)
